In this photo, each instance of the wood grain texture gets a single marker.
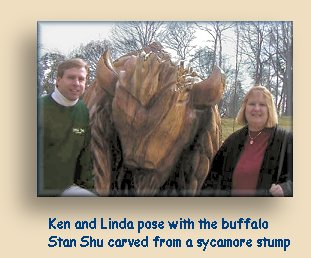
(155, 125)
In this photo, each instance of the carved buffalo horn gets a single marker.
(208, 92)
(106, 75)
(155, 128)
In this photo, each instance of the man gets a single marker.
(64, 134)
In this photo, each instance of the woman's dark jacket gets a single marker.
(219, 179)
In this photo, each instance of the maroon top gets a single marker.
(246, 172)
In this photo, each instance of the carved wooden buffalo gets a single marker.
(155, 125)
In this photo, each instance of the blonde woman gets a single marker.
(257, 159)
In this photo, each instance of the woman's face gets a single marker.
(256, 111)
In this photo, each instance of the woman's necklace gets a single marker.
(253, 138)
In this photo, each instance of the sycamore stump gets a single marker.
(155, 125)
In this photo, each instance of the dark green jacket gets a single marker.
(63, 147)
(219, 179)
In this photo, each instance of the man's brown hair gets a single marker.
(71, 63)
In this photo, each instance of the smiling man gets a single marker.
(64, 158)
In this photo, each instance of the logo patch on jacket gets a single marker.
(78, 131)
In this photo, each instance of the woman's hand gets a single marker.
(276, 190)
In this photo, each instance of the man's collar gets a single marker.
(60, 99)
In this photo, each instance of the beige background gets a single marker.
(24, 217)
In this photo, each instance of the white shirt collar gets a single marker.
(60, 99)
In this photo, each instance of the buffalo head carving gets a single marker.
(155, 125)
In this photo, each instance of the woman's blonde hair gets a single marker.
(272, 114)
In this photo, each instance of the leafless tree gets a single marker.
(283, 63)
(130, 36)
(179, 36)
(203, 61)
(237, 82)
(263, 51)
(47, 71)
(91, 53)
(253, 36)
(216, 31)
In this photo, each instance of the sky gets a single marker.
(66, 36)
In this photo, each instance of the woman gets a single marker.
(257, 159)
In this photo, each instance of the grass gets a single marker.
(228, 126)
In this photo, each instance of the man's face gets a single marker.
(72, 84)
